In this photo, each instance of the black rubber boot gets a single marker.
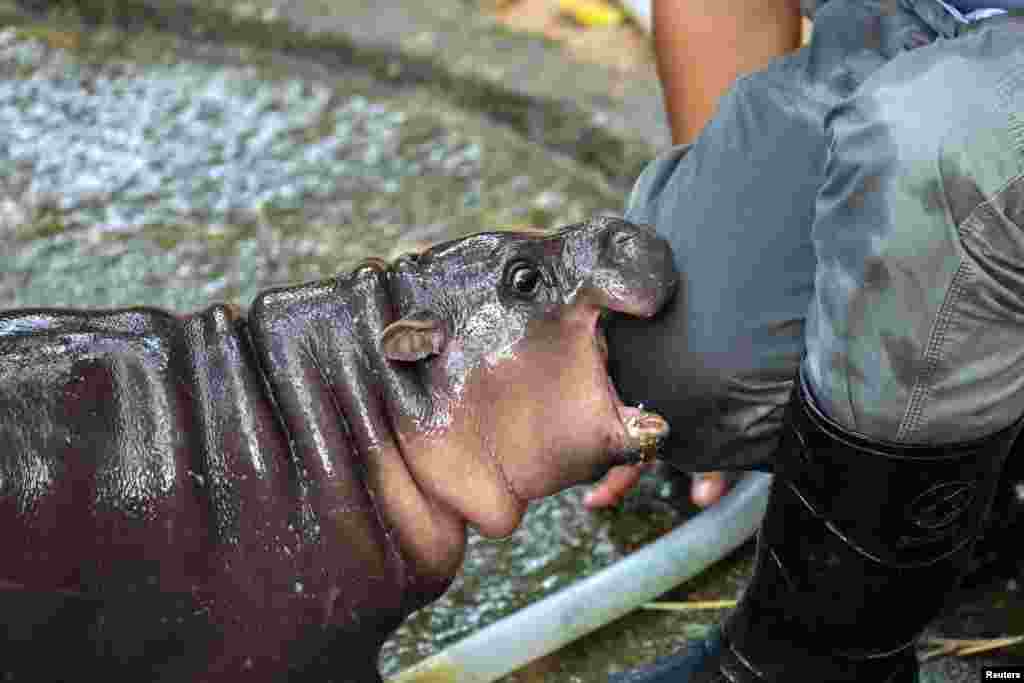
(999, 552)
(861, 544)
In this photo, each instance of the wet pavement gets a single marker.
(145, 168)
(137, 169)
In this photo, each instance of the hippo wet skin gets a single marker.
(265, 496)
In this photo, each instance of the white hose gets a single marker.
(640, 11)
(549, 624)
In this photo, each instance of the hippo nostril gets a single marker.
(620, 237)
(622, 245)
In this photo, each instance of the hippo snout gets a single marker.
(634, 271)
(630, 245)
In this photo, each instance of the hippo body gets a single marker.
(264, 496)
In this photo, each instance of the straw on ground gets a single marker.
(958, 647)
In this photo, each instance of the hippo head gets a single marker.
(505, 333)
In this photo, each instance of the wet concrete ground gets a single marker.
(146, 169)
(141, 166)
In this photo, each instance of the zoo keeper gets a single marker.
(848, 226)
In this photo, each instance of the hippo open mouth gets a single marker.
(645, 431)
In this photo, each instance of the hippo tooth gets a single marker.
(646, 430)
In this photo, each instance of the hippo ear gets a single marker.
(414, 337)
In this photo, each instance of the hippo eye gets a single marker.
(524, 279)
